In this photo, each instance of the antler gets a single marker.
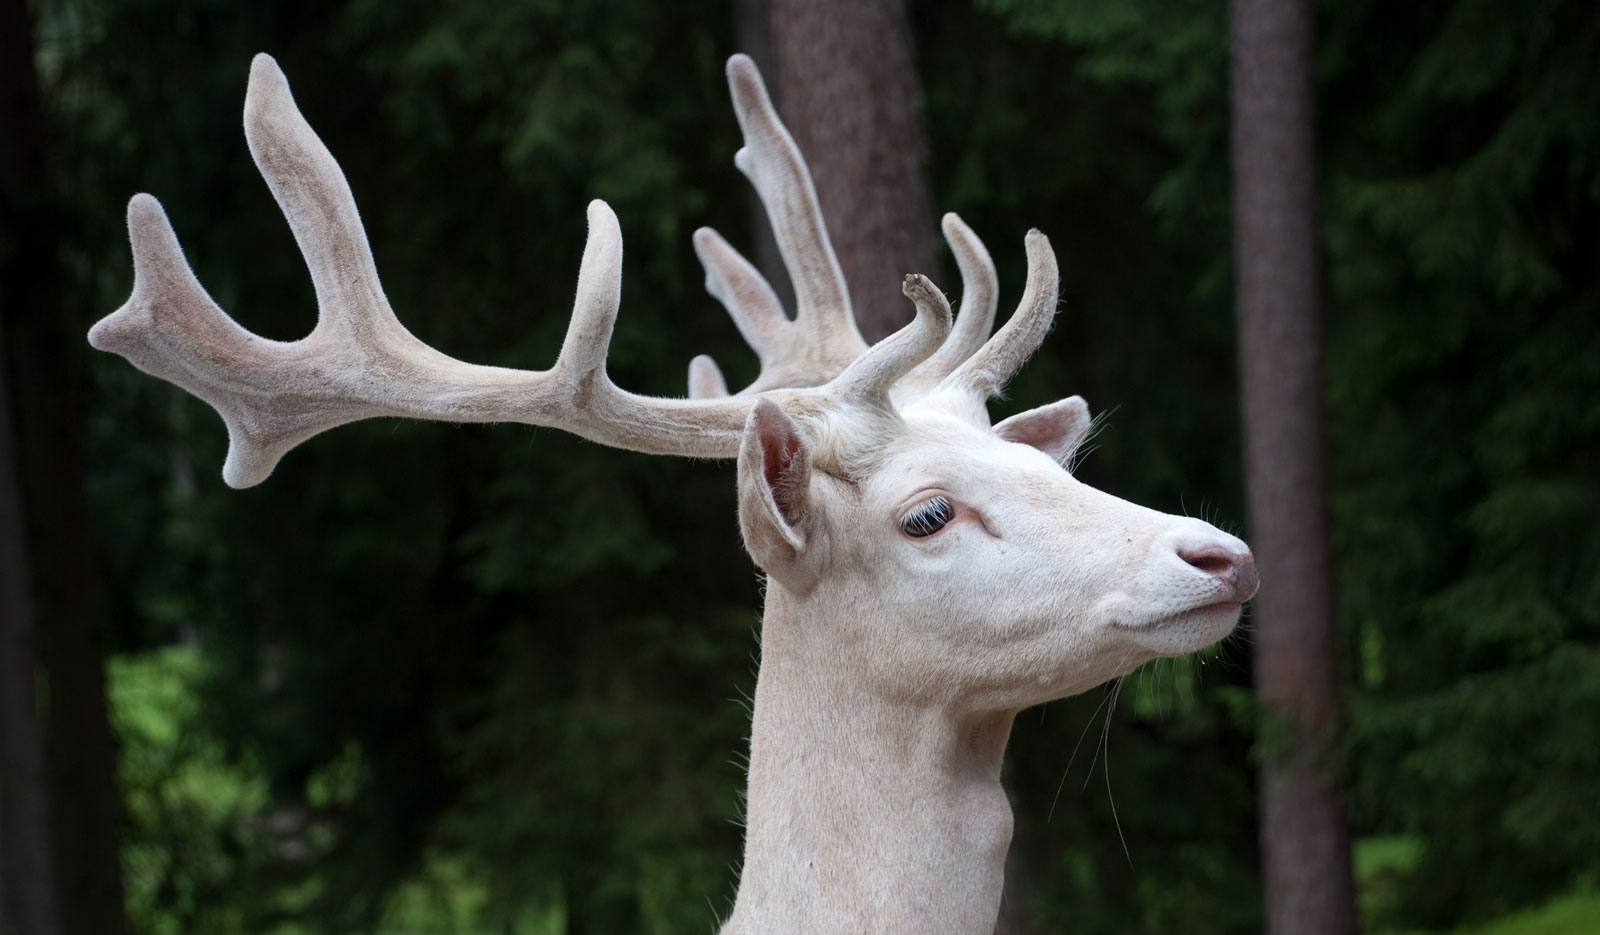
(821, 340)
(360, 361)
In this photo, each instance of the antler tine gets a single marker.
(822, 339)
(980, 295)
(779, 343)
(316, 200)
(998, 360)
(772, 162)
(748, 297)
(705, 379)
(871, 376)
(594, 309)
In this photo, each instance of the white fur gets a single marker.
(892, 667)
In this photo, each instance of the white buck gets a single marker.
(929, 575)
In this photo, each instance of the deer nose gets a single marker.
(1237, 570)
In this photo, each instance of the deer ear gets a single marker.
(1057, 429)
(775, 497)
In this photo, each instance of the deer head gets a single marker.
(929, 574)
(965, 562)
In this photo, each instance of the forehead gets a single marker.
(939, 449)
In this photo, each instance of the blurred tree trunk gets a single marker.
(27, 884)
(847, 76)
(81, 763)
(1304, 838)
(27, 887)
(752, 35)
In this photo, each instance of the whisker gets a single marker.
(1116, 689)
(1062, 784)
(1106, 739)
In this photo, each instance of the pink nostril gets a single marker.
(1237, 570)
(1211, 560)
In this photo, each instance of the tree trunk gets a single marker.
(27, 884)
(27, 881)
(847, 76)
(1304, 838)
(752, 35)
(81, 763)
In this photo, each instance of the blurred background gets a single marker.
(469, 679)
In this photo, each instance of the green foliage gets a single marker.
(1573, 914)
(1465, 392)
(200, 828)
(188, 803)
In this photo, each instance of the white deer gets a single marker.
(929, 575)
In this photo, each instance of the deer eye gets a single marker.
(928, 518)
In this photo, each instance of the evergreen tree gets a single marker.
(1465, 392)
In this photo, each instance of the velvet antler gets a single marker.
(360, 361)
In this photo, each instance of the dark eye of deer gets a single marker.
(928, 518)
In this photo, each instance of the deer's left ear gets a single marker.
(775, 514)
(1057, 429)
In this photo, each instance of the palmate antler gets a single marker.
(360, 362)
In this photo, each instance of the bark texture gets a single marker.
(1304, 838)
(27, 881)
(847, 77)
(80, 759)
(27, 884)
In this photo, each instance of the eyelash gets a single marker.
(929, 518)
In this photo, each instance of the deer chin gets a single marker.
(1186, 631)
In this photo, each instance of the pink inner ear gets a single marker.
(1044, 432)
(784, 465)
(1055, 429)
(778, 450)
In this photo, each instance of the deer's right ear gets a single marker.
(775, 498)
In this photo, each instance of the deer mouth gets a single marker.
(1218, 607)
(1162, 621)
(1186, 631)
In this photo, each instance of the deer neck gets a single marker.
(865, 813)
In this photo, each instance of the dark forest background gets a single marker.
(471, 679)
